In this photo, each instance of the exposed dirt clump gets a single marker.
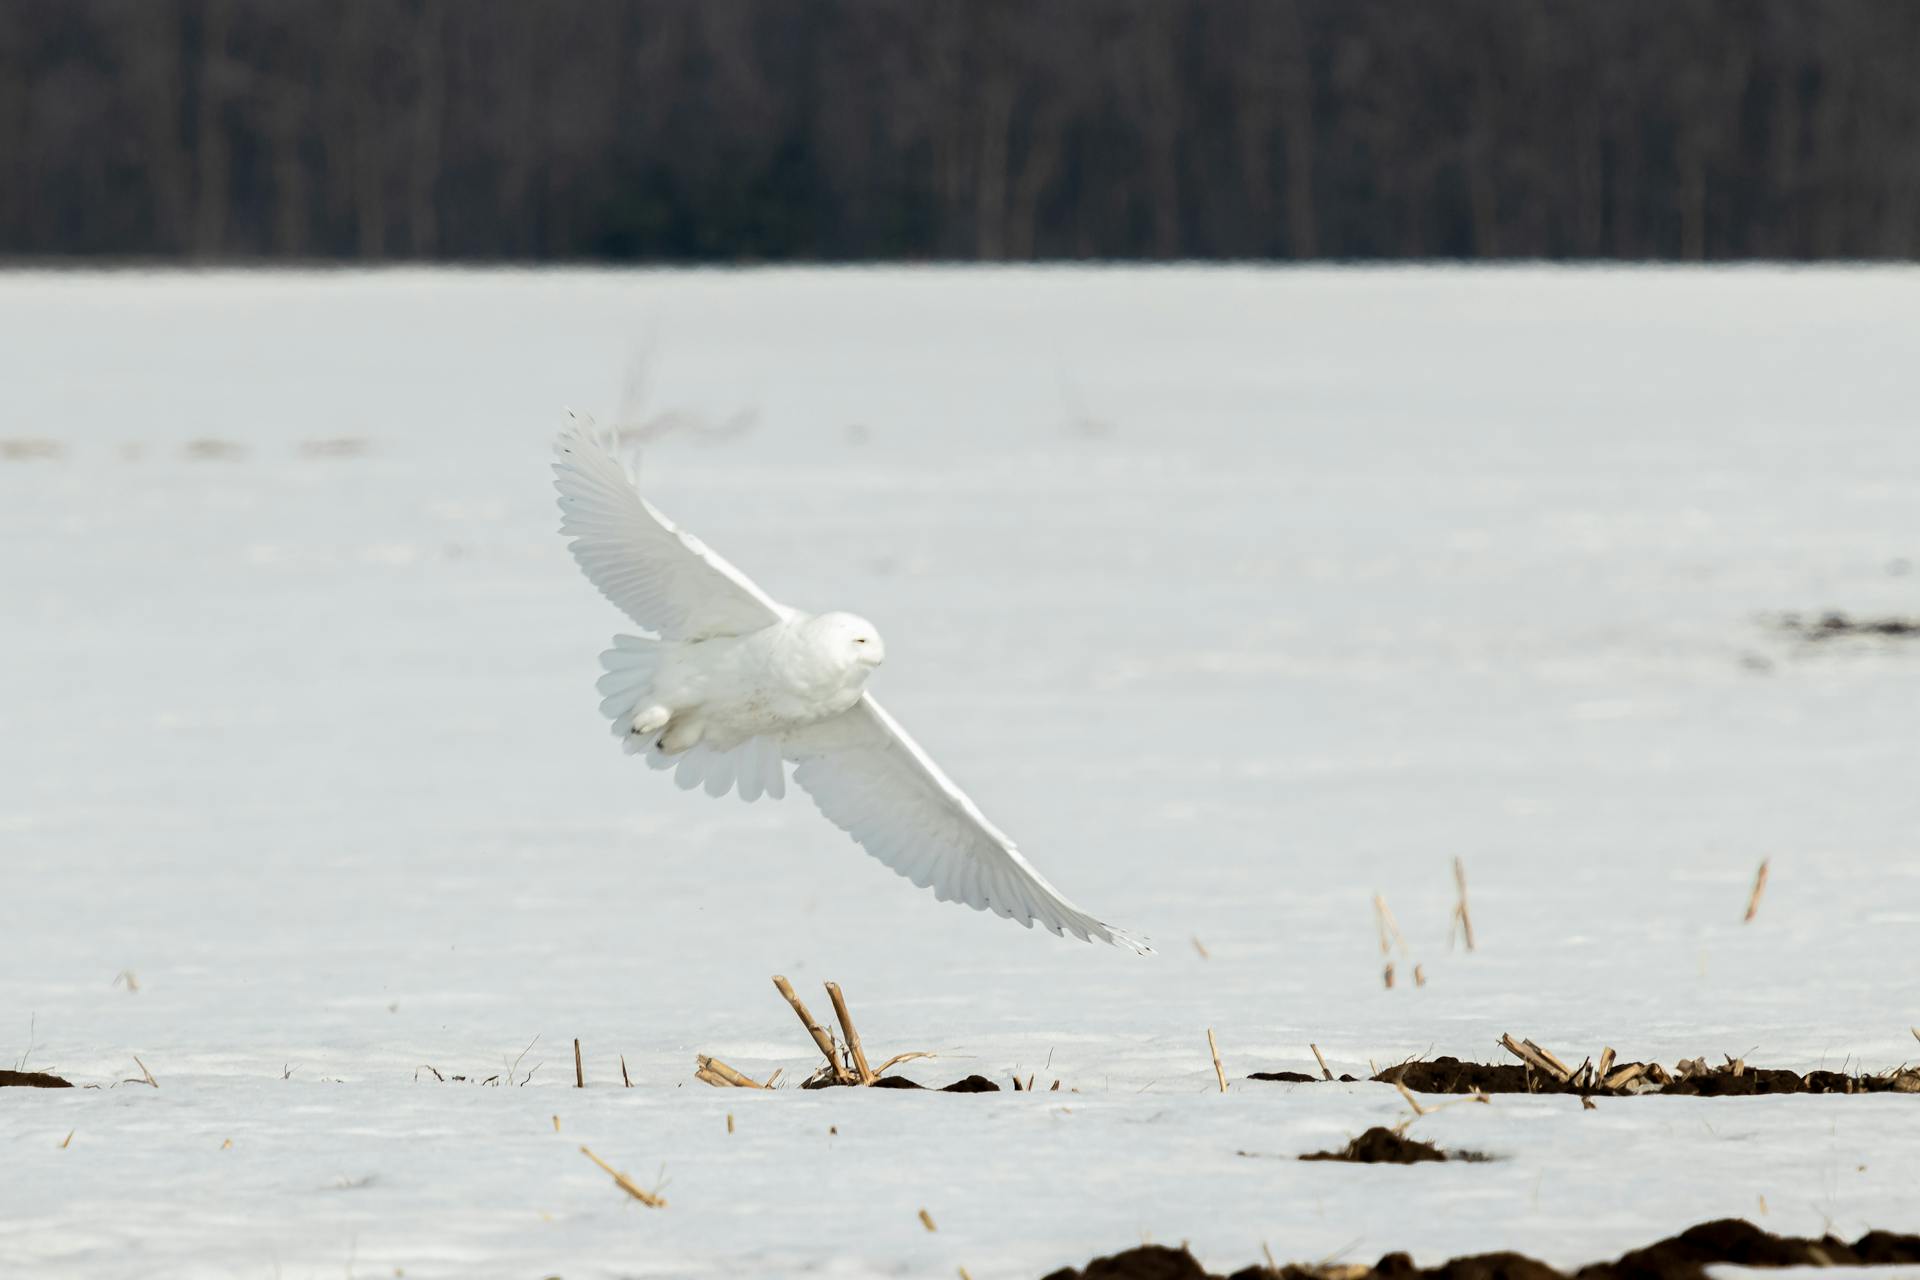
(1682, 1257)
(1479, 1266)
(1693, 1078)
(1382, 1146)
(1148, 1262)
(1836, 625)
(1450, 1075)
(1738, 1241)
(1291, 1077)
(967, 1084)
(32, 1080)
(1722, 1083)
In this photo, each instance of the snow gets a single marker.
(1292, 585)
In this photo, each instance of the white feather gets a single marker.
(665, 580)
(875, 783)
(749, 783)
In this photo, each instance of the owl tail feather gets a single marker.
(627, 691)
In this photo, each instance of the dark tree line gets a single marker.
(989, 129)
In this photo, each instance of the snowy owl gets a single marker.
(730, 686)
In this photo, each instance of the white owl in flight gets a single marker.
(730, 686)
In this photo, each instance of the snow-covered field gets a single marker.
(1237, 596)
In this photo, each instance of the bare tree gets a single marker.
(1016, 129)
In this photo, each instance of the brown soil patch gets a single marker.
(1148, 1262)
(1682, 1257)
(1382, 1146)
(969, 1084)
(1450, 1075)
(1689, 1079)
(1834, 626)
(32, 1080)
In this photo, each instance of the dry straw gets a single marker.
(821, 1038)
(625, 1183)
(1390, 936)
(1460, 912)
(1537, 1058)
(852, 1069)
(1420, 1110)
(718, 1073)
(860, 1066)
(1759, 887)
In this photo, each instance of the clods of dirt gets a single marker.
(1479, 1266)
(1682, 1257)
(1723, 1083)
(1292, 1077)
(1148, 1262)
(969, 1084)
(1835, 626)
(1382, 1146)
(32, 1080)
(1450, 1075)
(1686, 1255)
(1693, 1078)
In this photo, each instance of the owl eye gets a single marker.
(859, 639)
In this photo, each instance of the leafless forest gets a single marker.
(959, 129)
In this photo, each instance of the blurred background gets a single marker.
(739, 130)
